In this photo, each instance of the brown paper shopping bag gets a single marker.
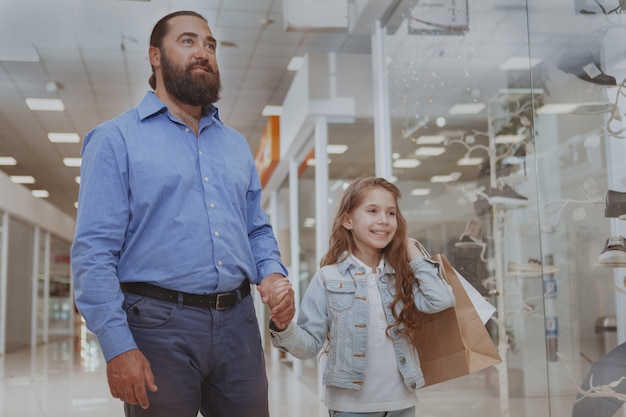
(454, 342)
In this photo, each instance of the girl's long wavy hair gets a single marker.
(395, 253)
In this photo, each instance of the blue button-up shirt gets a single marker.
(159, 205)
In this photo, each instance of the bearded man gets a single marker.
(170, 234)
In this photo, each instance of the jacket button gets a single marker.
(413, 385)
(402, 360)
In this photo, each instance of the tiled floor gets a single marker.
(67, 378)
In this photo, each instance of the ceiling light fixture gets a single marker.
(22, 179)
(40, 193)
(469, 161)
(336, 149)
(295, 63)
(272, 110)
(45, 104)
(520, 63)
(557, 108)
(509, 138)
(420, 191)
(7, 160)
(430, 139)
(430, 151)
(56, 137)
(72, 162)
(406, 163)
(18, 53)
(453, 176)
(467, 108)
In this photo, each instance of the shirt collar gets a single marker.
(350, 261)
(152, 105)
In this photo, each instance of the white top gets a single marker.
(383, 388)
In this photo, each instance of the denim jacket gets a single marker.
(335, 307)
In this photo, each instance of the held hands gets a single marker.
(129, 375)
(276, 291)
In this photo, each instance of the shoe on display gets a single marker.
(614, 252)
(473, 234)
(507, 196)
(585, 66)
(533, 268)
(615, 204)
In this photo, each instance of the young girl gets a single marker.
(364, 301)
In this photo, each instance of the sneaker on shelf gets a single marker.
(473, 234)
(614, 252)
(507, 196)
(615, 204)
(533, 268)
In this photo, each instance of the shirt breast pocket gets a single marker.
(340, 295)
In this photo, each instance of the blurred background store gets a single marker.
(502, 122)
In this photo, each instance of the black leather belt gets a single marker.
(221, 301)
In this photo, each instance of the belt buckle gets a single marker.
(230, 299)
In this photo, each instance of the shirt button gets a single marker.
(211, 205)
(219, 263)
(216, 233)
(186, 129)
(206, 179)
(200, 152)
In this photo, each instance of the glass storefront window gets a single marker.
(507, 141)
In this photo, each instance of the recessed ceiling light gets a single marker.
(18, 53)
(430, 139)
(467, 108)
(311, 162)
(509, 138)
(309, 222)
(7, 160)
(406, 163)
(430, 151)
(22, 179)
(63, 137)
(72, 162)
(272, 110)
(520, 63)
(45, 104)
(420, 191)
(336, 149)
(40, 193)
(295, 63)
(453, 176)
(557, 108)
(469, 161)
(77, 179)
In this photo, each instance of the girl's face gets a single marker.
(373, 223)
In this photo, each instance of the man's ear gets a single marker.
(154, 54)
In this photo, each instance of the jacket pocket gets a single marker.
(340, 295)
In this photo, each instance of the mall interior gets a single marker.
(502, 123)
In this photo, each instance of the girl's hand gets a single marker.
(414, 249)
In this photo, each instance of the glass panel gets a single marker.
(579, 155)
(61, 301)
(462, 113)
(42, 285)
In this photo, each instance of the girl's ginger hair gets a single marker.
(395, 253)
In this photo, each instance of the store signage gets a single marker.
(268, 152)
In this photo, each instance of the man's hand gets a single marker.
(276, 291)
(129, 375)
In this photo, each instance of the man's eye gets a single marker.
(187, 41)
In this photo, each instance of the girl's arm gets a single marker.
(305, 338)
(432, 293)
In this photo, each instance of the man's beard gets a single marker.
(189, 88)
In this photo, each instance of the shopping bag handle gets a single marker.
(420, 247)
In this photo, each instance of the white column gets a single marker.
(4, 257)
(382, 128)
(294, 237)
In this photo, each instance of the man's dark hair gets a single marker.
(159, 32)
